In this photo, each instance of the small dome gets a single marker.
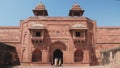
(76, 10)
(40, 6)
(76, 7)
(40, 10)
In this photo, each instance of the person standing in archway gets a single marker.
(59, 62)
(56, 61)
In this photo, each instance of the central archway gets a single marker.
(56, 50)
(58, 54)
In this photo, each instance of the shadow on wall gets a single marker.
(8, 55)
(94, 60)
(7, 67)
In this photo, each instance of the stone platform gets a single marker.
(107, 66)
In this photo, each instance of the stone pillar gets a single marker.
(111, 57)
(117, 57)
(68, 57)
(64, 57)
(30, 55)
(101, 58)
(44, 56)
(25, 57)
(86, 56)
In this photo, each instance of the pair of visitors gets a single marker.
(57, 62)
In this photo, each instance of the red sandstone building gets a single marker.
(75, 39)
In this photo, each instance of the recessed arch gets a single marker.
(36, 56)
(58, 45)
(58, 54)
(78, 56)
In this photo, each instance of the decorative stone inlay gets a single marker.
(78, 26)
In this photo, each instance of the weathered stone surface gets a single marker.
(109, 66)
(57, 38)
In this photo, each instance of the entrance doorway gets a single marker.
(59, 55)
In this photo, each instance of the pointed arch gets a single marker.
(36, 56)
(58, 45)
(23, 55)
(78, 56)
(58, 54)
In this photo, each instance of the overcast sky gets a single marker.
(105, 12)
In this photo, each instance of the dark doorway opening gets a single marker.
(58, 54)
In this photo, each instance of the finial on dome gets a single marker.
(40, 6)
(76, 6)
(41, 2)
(75, 3)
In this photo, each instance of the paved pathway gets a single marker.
(110, 66)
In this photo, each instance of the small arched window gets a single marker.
(36, 56)
(78, 56)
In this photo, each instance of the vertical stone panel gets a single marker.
(86, 56)
(45, 56)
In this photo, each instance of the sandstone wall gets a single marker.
(107, 37)
(11, 36)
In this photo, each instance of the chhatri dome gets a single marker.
(76, 10)
(40, 10)
(76, 7)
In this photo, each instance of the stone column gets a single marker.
(101, 58)
(117, 57)
(64, 57)
(25, 55)
(44, 56)
(111, 57)
(86, 56)
(68, 57)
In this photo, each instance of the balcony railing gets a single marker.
(37, 38)
(79, 38)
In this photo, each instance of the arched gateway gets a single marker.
(56, 52)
